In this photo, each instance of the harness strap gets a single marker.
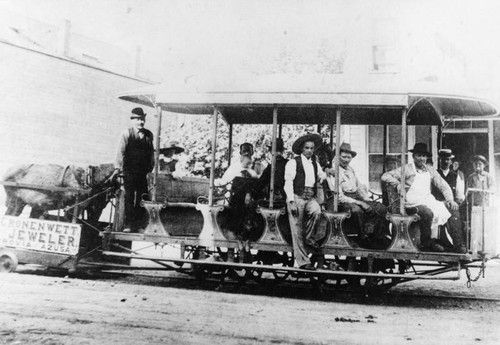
(87, 180)
(63, 174)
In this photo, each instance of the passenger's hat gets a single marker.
(480, 158)
(171, 146)
(280, 146)
(420, 148)
(246, 149)
(345, 147)
(445, 153)
(137, 113)
(297, 145)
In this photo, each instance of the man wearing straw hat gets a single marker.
(419, 178)
(302, 175)
(134, 159)
(367, 216)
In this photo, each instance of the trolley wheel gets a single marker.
(286, 262)
(8, 262)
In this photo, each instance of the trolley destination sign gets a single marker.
(42, 235)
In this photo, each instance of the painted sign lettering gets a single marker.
(37, 234)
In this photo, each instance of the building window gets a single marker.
(377, 164)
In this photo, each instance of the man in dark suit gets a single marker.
(134, 159)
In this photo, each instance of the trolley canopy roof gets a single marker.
(316, 103)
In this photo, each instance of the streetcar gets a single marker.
(191, 214)
(203, 232)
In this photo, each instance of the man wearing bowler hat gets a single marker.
(419, 177)
(134, 159)
(302, 175)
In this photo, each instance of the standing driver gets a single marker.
(134, 159)
(302, 175)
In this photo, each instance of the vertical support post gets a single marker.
(273, 160)
(483, 213)
(384, 150)
(491, 151)
(230, 149)
(212, 163)
(337, 165)
(280, 131)
(319, 128)
(440, 137)
(331, 135)
(436, 141)
(157, 154)
(403, 160)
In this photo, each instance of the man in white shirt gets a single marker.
(302, 175)
(241, 168)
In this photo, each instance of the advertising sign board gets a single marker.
(40, 235)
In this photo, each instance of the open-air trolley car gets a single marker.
(189, 213)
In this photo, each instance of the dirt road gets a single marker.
(53, 310)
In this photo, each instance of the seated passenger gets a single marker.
(168, 159)
(261, 188)
(367, 216)
(482, 180)
(241, 219)
(259, 166)
(241, 168)
(419, 177)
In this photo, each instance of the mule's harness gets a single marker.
(88, 181)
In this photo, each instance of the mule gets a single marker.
(36, 181)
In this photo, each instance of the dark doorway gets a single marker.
(466, 145)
